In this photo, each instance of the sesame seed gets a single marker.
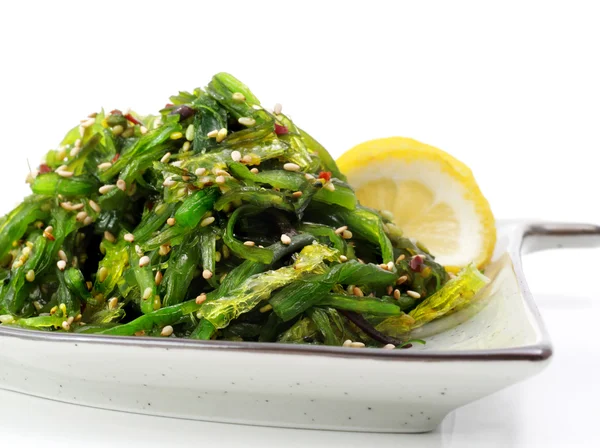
(308, 176)
(343, 258)
(30, 276)
(201, 299)
(397, 294)
(254, 170)
(207, 274)
(200, 171)
(347, 343)
(171, 221)
(144, 261)
(77, 143)
(158, 278)
(121, 185)
(220, 179)
(189, 133)
(109, 236)
(118, 129)
(249, 243)
(285, 239)
(166, 331)
(112, 303)
(401, 279)
(389, 347)
(143, 130)
(246, 121)
(104, 166)
(390, 265)
(329, 186)
(238, 97)
(61, 264)
(247, 158)
(207, 221)
(213, 133)
(340, 230)
(186, 146)
(236, 156)
(266, 308)
(74, 151)
(62, 255)
(221, 135)
(357, 292)
(164, 249)
(94, 206)
(105, 188)
(357, 345)
(62, 173)
(176, 136)
(400, 258)
(129, 237)
(389, 290)
(165, 158)
(87, 221)
(220, 172)
(168, 182)
(297, 194)
(147, 293)
(65, 325)
(102, 274)
(346, 234)
(87, 123)
(413, 294)
(277, 109)
(291, 167)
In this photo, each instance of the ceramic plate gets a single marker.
(498, 341)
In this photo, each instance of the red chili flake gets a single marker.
(43, 169)
(325, 175)
(133, 119)
(416, 263)
(116, 112)
(406, 346)
(169, 105)
(149, 205)
(280, 129)
(115, 158)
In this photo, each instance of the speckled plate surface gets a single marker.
(500, 340)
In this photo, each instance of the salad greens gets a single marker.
(215, 219)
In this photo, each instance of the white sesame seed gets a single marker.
(61, 264)
(340, 230)
(74, 151)
(200, 171)
(254, 170)
(389, 290)
(165, 158)
(389, 347)
(94, 206)
(105, 188)
(213, 133)
(347, 343)
(249, 243)
(104, 166)
(277, 109)
(109, 236)
(102, 274)
(220, 179)
(158, 278)
(171, 221)
(357, 345)
(329, 186)
(201, 299)
(144, 261)
(62, 173)
(207, 221)
(343, 258)
(62, 168)
(247, 158)
(65, 325)
(246, 121)
(357, 292)
(62, 255)
(129, 237)
(346, 234)
(87, 123)
(238, 97)
(48, 230)
(413, 294)
(81, 131)
(147, 293)
(308, 176)
(397, 294)
(164, 249)
(221, 135)
(189, 133)
(77, 143)
(291, 167)
(166, 331)
(186, 146)
(121, 185)
(390, 265)
(112, 303)
(297, 194)
(402, 279)
(236, 156)
(207, 274)
(285, 239)
(383, 266)
(143, 130)
(17, 264)
(168, 182)
(400, 258)
(87, 221)
(177, 164)
(30, 276)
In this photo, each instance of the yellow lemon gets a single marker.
(433, 197)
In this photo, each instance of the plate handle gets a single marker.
(549, 235)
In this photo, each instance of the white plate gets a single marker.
(467, 356)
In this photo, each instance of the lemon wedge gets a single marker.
(433, 197)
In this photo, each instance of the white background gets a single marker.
(510, 88)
